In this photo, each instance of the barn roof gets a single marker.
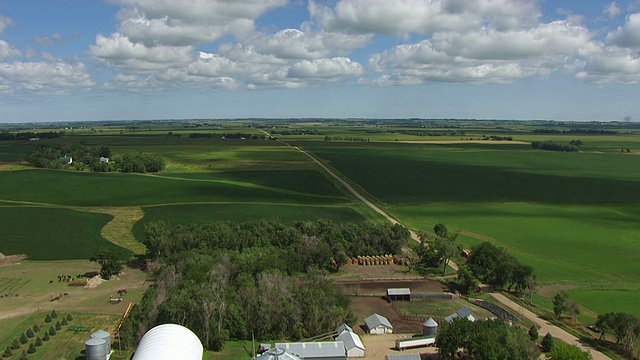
(376, 320)
(350, 340)
(310, 350)
(399, 291)
(344, 327)
(277, 354)
(464, 313)
(403, 357)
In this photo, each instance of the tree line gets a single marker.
(231, 280)
(238, 136)
(89, 157)
(573, 146)
(5, 135)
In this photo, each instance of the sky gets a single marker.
(76, 60)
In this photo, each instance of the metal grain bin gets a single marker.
(96, 349)
(101, 334)
(430, 327)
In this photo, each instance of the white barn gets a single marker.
(352, 344)
(378, 324)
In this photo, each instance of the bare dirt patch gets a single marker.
(11, 259)
(377, 346)
(367, 272)
(379, 288)
(364, 306)
(120, 229)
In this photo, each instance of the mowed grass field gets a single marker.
(573, 216)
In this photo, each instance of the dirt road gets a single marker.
(546, 327)
(360, 197)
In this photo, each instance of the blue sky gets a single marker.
(158, 59)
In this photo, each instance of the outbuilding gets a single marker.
(378, 324)
(399, 294)
(403, 357)
(463, 313)
(352, 344)
(329, 350)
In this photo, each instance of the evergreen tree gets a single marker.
(38, 341)
(32, 348)
(36, 328)
(64, 321)
(23, 338)
(47, 318)
(54, 314)
(15, 344)
(69, 317)
(23, 356)
(30, 333)
(533, 333)
(46, 337)
(58, 325)
(52, 331)
(547, 343)
(7, 352)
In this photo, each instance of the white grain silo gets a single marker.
(169, 342)
(101, 334)
(96, 349)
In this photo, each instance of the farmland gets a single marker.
(573, 216)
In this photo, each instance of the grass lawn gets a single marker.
(603, 301)
(51, 233)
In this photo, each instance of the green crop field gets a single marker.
(573, 216)
(49, 233)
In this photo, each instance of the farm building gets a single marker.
(330, 350)
(403, 357)
(65, 159)
(104, 159)
(396, 294)
(463, 313)
(343, 327)
(169, 341)
(378, 324)
(352, 344)
(277, 354)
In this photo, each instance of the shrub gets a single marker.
(547, 343)
(69, 317)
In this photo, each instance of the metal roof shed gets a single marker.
(343, 327)
(352, 344)
(329, 350)
(395, 294)
(378, 324)
(403, 357)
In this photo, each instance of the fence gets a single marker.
(496, 310)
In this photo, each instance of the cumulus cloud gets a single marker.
(627, 35)
(189, 22)
(612, 10)
(485, 55)
(119, 50)
(611, 65)
(327, 69)
(424, 16)
(7, 50)
(44, 76)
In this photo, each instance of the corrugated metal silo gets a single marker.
(430, 327)
(96, 349)
(101, 334)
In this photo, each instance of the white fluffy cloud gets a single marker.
(627, 35)
(44, 76)
(424, 16)
(7, 50)
(611, 65)
(119, 50)
(4, 22)
(486, 55)
(327, 69)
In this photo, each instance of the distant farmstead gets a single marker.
(104, 160)
(378, 324)
(65, 160)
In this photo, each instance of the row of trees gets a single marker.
(5, 135)
(139, 163)
(48, 156)
(625, 327)
(228, 136)
(550, 145)
(229, 281)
